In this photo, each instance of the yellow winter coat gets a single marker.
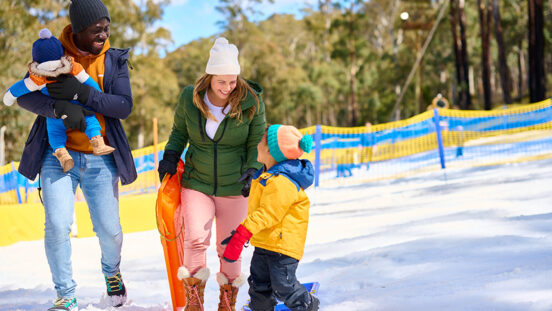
(278, 214)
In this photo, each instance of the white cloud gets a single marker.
(281, 3)
(178, 2)
(171, 2)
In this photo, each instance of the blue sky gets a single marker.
(192, 19)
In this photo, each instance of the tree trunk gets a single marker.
(464, 47)
(352, 68)
(461, 53)
(456, 98)
(420, 83)
(325, 9)
(353, 100)
(505, 80)
(537, 78)
(484, 20)
(521, 70)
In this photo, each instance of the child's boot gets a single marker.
(64, 159)
(228, 292)
(314, 304)
(194, 286)
(99, 147)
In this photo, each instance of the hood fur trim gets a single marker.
(65, 67)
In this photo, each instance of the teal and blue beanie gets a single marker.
(285, 142)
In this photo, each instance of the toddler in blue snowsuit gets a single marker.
(48, 64)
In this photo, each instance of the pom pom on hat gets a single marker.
(223, 59)
(285, 142)
(306, 143)
(47, 47)
(45, 33)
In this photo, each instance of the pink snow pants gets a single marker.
(198, 211)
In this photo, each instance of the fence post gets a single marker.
(317, 149)
(15, 183)
(436, 119)
(155, 155)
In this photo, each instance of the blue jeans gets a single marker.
(273, 276)
(97, 176)
(58, 137)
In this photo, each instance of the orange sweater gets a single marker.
(94, 66)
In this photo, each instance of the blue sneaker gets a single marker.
(116, 289)
(65, 304)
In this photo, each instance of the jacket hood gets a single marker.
(69, 45)
(300, 172)
(53, 68)
(249, 100)
(255, 86)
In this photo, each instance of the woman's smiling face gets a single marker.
(222, 86)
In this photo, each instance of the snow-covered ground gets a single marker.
(473, 239)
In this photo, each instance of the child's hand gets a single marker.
(235, 243)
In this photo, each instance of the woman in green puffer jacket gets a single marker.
(222, 118)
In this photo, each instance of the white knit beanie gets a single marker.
(223, 59)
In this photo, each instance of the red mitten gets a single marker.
(235, 243)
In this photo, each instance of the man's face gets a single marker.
(92, 39)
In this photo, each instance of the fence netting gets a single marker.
(436, 139)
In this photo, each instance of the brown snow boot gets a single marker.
(99, 147)
(228, 292)
(64, 159)
(194, 286)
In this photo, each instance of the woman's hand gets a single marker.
(246, 178)
(168, 164)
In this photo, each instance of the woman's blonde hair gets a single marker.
(238, 95)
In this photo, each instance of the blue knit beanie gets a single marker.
(47, 47)
(285, 142)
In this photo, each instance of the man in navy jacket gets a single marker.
(86, 40)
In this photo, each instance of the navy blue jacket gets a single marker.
(114, 104)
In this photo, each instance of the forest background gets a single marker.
(343, 63)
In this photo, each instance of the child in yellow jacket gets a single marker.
(277, 221)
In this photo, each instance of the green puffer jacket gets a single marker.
(213, 166)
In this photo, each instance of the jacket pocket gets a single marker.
(34, 129)
(188, 166)
(242, 165)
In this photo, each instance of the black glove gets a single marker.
(168, 164)
(69, 88)
(246, 179)
(71, 114)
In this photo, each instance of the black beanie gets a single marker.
(84, 13)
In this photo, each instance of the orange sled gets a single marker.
(168, 201)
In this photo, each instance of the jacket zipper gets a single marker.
(215, 170)
(215, 144)
(201, 125)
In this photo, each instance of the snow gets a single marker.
(460, 239)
